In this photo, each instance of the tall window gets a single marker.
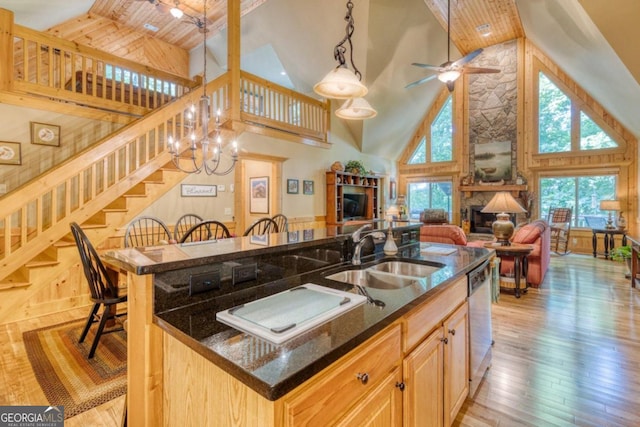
(438, 145)
(429, 195)
(581, 193)
(555, 130)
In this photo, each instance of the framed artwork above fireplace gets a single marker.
(492, 161)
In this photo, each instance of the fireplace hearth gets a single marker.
(480, 222)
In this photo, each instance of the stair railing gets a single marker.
(38, 213)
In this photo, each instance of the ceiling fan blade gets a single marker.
(468, 58)
(422, 80)
(427, 66)
(163, 8)
(476, 70)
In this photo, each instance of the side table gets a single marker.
(609, 242)
(519, 252)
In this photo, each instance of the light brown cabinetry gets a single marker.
(413, 373)
(341, 183)
(341, 392)
(435, 372)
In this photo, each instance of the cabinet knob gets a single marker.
(445, 340)
(364, 378)
(400, 386)
(452, 331)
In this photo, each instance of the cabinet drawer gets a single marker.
(327, 396)
(428, 316)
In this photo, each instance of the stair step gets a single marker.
(113, 210)
(153, 182)
(14, 280)
(42, 261)
(134, 195)
(89, 225)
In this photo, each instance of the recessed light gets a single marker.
(151, 27)
(283, 73)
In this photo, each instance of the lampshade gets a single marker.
(610, 205)
(356, 109)
(503, 202)
(449, 76)
(340, 83)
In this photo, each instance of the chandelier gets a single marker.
(209, 159)
(342, 83)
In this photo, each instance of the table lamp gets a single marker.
(502, 205)
(610, 205)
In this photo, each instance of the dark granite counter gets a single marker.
(273, 370)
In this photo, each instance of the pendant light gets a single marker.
(344, 83)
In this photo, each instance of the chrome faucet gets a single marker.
(359, 242)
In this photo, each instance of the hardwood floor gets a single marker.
(565, 354)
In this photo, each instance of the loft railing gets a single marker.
(39, 213)
(52, 67)
(271, 105)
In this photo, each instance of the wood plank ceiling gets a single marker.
(469, 20)
(178, 32)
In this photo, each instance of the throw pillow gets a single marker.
(527, 234)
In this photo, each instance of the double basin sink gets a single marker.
(387, 275)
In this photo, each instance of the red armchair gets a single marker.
(537, 234)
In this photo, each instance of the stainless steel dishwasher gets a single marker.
(480, 335)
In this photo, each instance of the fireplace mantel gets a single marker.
(514, 189)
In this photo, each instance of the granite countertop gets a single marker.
(273, 370)
(156, 259)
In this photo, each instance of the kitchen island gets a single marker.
(186, 367)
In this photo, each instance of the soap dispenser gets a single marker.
(390, 247)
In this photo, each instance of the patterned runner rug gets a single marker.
(65, 374)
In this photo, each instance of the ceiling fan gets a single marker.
(449, 72)
(177, 11)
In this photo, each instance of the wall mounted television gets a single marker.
(354, 206)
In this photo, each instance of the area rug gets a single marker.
(65, 374)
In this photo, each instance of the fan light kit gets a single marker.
(177, 11)
(449, 72)
(342, 83)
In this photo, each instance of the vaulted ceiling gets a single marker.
(291, 42)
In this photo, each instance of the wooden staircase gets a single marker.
(53, 281)
(108, 184)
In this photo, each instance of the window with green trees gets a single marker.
(581, 193)
(555, 129)
(429, 195)
(439, 144)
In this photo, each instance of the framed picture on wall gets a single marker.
(307, 187)
(259, 195)
(10, 153)
(198, 190)
(45, 134)
(292, 186)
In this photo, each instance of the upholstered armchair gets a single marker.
(538, 234)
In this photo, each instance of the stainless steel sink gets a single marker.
(405, 268)
(374, 279)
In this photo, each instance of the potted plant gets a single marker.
(355, 167)
(620, 254)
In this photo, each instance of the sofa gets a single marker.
(538, 234)
(446, 233)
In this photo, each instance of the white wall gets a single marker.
(303, 163)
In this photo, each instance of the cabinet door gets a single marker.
(382, 407)
(456, 363)
(424, 383)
